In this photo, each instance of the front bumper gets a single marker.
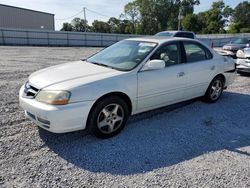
(243, 65)
(56, 118)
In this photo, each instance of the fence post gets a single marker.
(85, 39)
(67, 38)
(101, 40)
(3, 36)
(48, 37)
(27, 37)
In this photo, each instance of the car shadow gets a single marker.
(161, 138)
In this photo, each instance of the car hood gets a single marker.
(68, 72)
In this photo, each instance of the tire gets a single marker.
(214, 90)
(108, 117)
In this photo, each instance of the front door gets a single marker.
(162, 87)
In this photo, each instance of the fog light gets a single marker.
(44, 121)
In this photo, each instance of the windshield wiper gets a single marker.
(100, 64)
(104, 65)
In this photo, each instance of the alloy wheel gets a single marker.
(216, 89)
(110, 118)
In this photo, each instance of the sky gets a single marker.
(65, 10)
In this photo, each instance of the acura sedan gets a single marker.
(132, 76)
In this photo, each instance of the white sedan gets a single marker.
(129, 77)
(243, 61)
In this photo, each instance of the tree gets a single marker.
(125, 27)
(131, 11)
(240, 18)
(67, 27)
(100, 27)
(188, 6)
(215, 20)
(192, 22)
(79, 24)
(152, 16)
(114, 25)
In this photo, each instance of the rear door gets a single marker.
(200, 66)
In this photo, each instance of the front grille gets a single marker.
(30, 90)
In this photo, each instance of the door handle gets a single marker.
(213, 67)
(180, 74)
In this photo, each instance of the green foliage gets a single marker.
(241, 16)
(151, 16)
(245, 30)
(79, 24)
(211, 21)
(192, 22)
(67, 27)
(131, 11)
(100, 27)
(158, 15)
(234, 28)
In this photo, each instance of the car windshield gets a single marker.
(240, 41)
(164, 34)
(124, 55)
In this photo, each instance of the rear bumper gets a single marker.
(56, 118)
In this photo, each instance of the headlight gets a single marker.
(53, 97)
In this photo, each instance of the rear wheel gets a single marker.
(214, 90)
(108, 117)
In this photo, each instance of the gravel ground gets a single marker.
(197, 145)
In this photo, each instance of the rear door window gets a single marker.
(196, 52)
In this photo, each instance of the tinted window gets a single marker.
(189, 35)
(185, 35)
(169, 53)
(196, 52)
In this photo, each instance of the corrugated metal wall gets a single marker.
(57, 38)
(13, 17)
(61, 38)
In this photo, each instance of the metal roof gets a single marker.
(26, 9)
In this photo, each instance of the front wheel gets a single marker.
(214, 90)
(108, 117)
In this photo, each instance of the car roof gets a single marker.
(176, 31)
(160, 40)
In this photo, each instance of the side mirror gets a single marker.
(155, 64)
